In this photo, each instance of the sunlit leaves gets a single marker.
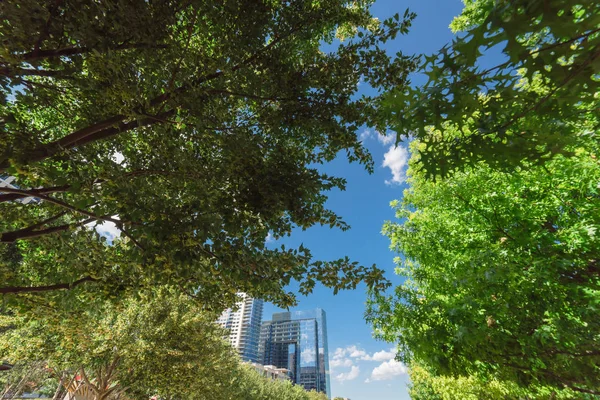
(548, 44)
(195, 128)
(502, 273)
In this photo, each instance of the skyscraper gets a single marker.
(8, 182)
(297, 341)
(243, 324)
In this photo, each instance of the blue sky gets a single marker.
(362, 368)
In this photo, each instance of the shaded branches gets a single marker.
(39, 289)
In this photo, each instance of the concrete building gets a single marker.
(272, 372)
(243, 323)
(297, 341)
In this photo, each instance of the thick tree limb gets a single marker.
(29, 233)
(38, 289)
(249, 95)
(105, 129)
(81, 134)
(52, 11)
(14, 72)
(32, 193)
(73, 51)
(90, 134)
(70, 207)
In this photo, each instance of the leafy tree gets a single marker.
(314, 395)
(493, 116)
(191, 126)
(425, 386)
(503, 275)
(162, 345)
(250, 385)
(26, 378)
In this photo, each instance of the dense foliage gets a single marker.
(498, 230)
(161, 345)
(425, 386)
(502, 271)
(493, 118)
(250, 385)
(193, 127)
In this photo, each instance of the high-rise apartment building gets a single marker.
(243, 324)
(8, 182)
(297, 341)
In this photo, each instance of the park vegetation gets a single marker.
(498, 232)
(194, 129)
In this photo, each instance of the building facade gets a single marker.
(8, 182)
(297, 341)
(271, 372)
(243, 323)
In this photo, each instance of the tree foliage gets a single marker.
(193, 127)
(493, 117)
(250, 385)
(425, 386)
(163, 345)
(498, 230)
(26, 378)
(503, 275)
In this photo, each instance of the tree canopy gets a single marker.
(193, 127)
(502, 273)
(162, 345)
(493, 116)
(497, 232)
(425, 386)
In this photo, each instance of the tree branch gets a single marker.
(44, 34)
(138, 245)
(73, 51)
(89, 134)
(104, 129)
(66, 205)
(67, 141)
(16, 71)
(38, 289)
(46, 221)
(32, 193)
(29, 233)
(247, 95)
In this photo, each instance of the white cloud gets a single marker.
(383, 138)
(386, 139)
(118, 157)
(348, 376)
(366, 134)
(107, 229)
(307, 356)
(355, 352)
(339, 352)
(340, 362)
(269, 238)
(383, 355)
(388, 370)
(396, 160)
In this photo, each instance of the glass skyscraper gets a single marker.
(297, 341)
(243, 324)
